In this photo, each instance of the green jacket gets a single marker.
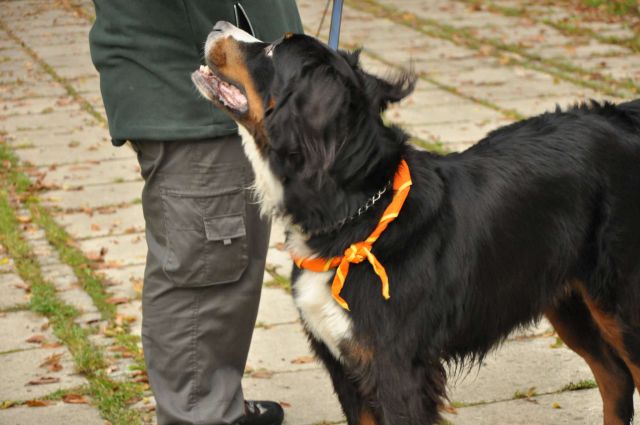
(146, 50)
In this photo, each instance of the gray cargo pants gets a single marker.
(205, 265)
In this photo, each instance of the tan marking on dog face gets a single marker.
(229, 62)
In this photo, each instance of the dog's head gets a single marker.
(312, 113)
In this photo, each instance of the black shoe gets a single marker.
(262, 413)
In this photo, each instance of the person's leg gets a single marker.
(205, 265)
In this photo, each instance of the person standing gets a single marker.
(206, 240)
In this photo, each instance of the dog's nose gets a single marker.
(222, 26)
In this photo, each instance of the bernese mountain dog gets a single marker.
(541, 217)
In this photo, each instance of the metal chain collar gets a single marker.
(363, 209)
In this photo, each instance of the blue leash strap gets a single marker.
(336, 19)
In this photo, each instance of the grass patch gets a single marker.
(558, 343)
(569, 27)
(465, 37)
(585, 384)
(529, 393)
(435, 146)
(277, 280)
(14, 308)
(72, 256)
(112, 397)
(615, 7)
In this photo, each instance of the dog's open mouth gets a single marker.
(215, 89)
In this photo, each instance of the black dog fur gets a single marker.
(540, 217)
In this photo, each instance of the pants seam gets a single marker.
(193, 394)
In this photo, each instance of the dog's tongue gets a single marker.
(226, 93)
(231, 96)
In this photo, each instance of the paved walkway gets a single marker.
(479, 67)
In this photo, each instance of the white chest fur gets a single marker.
(266, 186)
(324, 318)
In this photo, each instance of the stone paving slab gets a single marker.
(24, 91)
(62, 55)
(531, 37)
(281, 348)
(576, 408)
(124, 281)
(12, 292)
(455, 135)
(83, 225)
(276, 307)
(94, 196)
(87, 84)
(122, 250)
(530, 107)
(438, 115)
(36, 105)
(44, 155)
(62, 119)
(308, 398)
(58, 414)
(19, 368)
(518, 366)
(17, 327)
(281, 260)
(87, 137)
(92, 173)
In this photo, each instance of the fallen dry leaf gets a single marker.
(36, 339)
(44, 380)
(108, 265)
(262, 374)
(7, 404)
(97, 255)
(75, 399)
(38, 403)
(52, 363)
(96, 227)
(23, 219)
(303, 360)
(450, 409)
(284, 404)
(117, 300)
(486, 49)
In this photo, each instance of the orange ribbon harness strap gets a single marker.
(360, 251)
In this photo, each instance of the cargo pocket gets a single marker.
(205, 229)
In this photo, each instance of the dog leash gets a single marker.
(336, 20)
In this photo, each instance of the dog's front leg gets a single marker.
(353, 405)
(407, 392)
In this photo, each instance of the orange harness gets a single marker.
(359, 251)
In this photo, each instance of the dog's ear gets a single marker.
(382, 91)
